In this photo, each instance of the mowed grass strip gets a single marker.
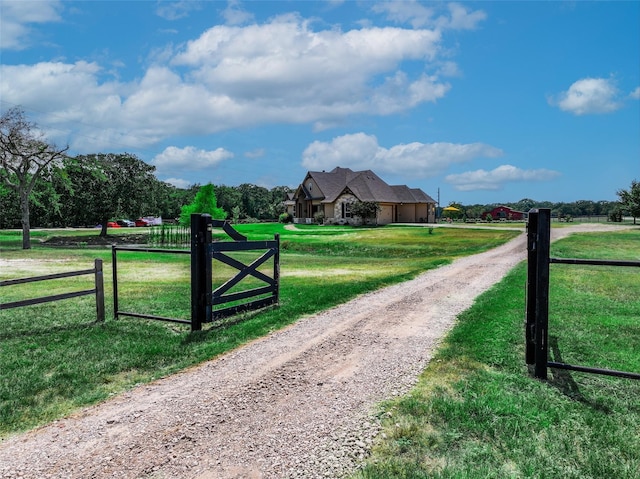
(478, 413)
(54, 358)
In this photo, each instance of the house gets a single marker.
(329, 195)
(504, 213)
(289, 203)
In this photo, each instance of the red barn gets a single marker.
(504, 213)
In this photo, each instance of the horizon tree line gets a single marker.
(42, 187)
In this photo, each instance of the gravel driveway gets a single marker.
(299, 403)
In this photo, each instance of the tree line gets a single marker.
(89, 190)
(611, 209)
(42, 187)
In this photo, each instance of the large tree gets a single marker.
(630, 199)
(26, 157)
(228, 198)
(106, 186)
(256, 201)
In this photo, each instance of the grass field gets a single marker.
(478, 413)
(54, 358)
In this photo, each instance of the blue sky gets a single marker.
(487, 102)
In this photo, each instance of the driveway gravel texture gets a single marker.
(299, 403)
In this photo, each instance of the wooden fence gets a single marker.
(537, 302)
(98, 289)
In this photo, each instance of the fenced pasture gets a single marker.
(537, 331)
(54, 360)
(477, 410)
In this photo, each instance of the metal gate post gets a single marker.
(276, 268)
(114, 276)
(530, 313)
(99, 281)
(543, 244)
(200, 270)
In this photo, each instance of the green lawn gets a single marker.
(54, 358)
(478, 413)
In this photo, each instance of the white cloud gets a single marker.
(234, 14)
(257, 153)
(496, 178)
(278, 72)
(461, 18)
(16, 18)
(417, 15)
(635, 94)
(179, 182)
(589, 96)
(412, 12)
(176, 10)
(360, 152)
(174, 159)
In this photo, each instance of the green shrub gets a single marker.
(285, 218)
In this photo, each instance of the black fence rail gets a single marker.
(97, 290)
(537, 302)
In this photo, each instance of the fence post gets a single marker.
(276, 268)
(114, 274)
(530, 313)
(200, 270)
(99, 280)
(543, 243)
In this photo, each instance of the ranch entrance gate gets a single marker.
(537, 302)
(208, 305)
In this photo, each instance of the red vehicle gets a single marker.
(112, 224)
(142, 222)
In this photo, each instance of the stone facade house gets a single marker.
(329, 195)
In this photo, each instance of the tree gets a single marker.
(365, 210)
(229, 198)
(256, 201)
(278, 196)
(630, 199)
(204, 202)
(170, 199)
(25, 158)
(108, 185)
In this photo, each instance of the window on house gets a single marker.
(346, 210)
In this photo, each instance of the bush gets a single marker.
(616, 216)
(319, 217)
(285, 218)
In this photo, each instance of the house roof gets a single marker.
(364, 185)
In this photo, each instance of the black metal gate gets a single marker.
(537, 302)
(208, 305)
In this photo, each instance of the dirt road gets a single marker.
(299, 403)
